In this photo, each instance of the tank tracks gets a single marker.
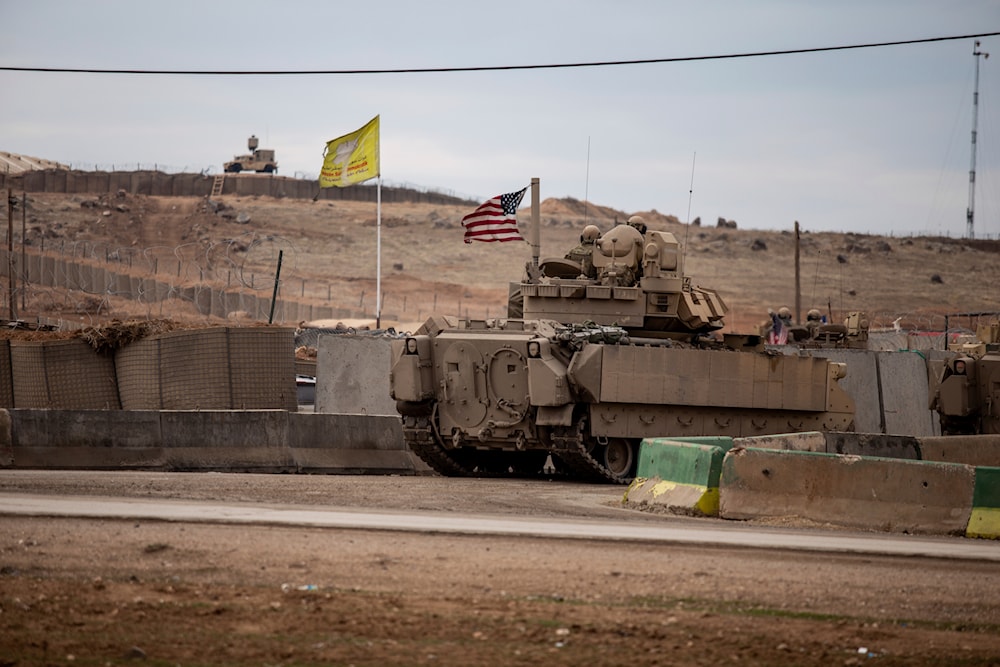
(573, 450)
(570, 448)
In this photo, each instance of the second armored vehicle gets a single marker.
(967, 398)
(259, 159)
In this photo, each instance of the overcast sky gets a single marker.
(870, 140)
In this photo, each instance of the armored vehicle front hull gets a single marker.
(500, 397)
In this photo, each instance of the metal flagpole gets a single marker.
(378, 254)
(536, 219)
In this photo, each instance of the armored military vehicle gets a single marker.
(259, 159)
(967, 397)
(816, 333)
(595, 364)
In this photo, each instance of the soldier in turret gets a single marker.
(583, 254)
(640, 225)
(775, 332)
(637, 222)
(814, 319)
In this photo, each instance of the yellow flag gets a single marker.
(352, 158)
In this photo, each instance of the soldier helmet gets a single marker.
(784, 313)
(637, 222)
(813, 316)
(590, 233)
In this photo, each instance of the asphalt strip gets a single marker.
(432, 522)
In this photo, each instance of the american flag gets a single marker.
(495, 220)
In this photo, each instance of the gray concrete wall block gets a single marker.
(343, 431)
(861, 384)
(352, 375)
(266, 429)
(807, 441)
(905, 397)
(873, 444)
(974, 450)
(6, 439)
(85, 439)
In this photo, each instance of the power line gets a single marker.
(491, 68)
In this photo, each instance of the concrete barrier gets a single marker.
(85, 439)
(679, 475)
(226, 440)
(985, 518)
(891, 390)
(6, 440)
(352, 375)
(904, 393)
(362, 444)
(216, 440)
(861, 384)
(973, 450)
(853, 491)
(857, 444)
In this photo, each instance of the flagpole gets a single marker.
(536, 218)
(378, 255)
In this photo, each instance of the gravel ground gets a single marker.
(105, 592)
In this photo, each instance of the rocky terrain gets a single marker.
(330, 257)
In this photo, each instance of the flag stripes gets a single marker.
(495, 219)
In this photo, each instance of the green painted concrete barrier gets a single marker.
(680, 475)
(985, 519)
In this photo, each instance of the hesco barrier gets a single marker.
(67, 374)
(271, 441)
(224, 368)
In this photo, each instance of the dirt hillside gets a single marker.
(329, 257)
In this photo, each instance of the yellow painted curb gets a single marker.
(984, 522)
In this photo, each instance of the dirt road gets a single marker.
(98, 592)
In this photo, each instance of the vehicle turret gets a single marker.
(638, 283)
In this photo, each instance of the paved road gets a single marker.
(426, 505)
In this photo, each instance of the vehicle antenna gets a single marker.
(690, 196)
(586, 184)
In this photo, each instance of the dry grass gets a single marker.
(329, 258)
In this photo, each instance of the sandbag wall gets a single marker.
(218, 368)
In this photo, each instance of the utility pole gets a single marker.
(10, 252)
(798, 290)
(970, 212)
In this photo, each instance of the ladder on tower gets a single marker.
(217, 184)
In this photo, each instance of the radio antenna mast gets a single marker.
(970, 212)
(690, 196)
(586, 186)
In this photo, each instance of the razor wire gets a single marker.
(204, 273)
